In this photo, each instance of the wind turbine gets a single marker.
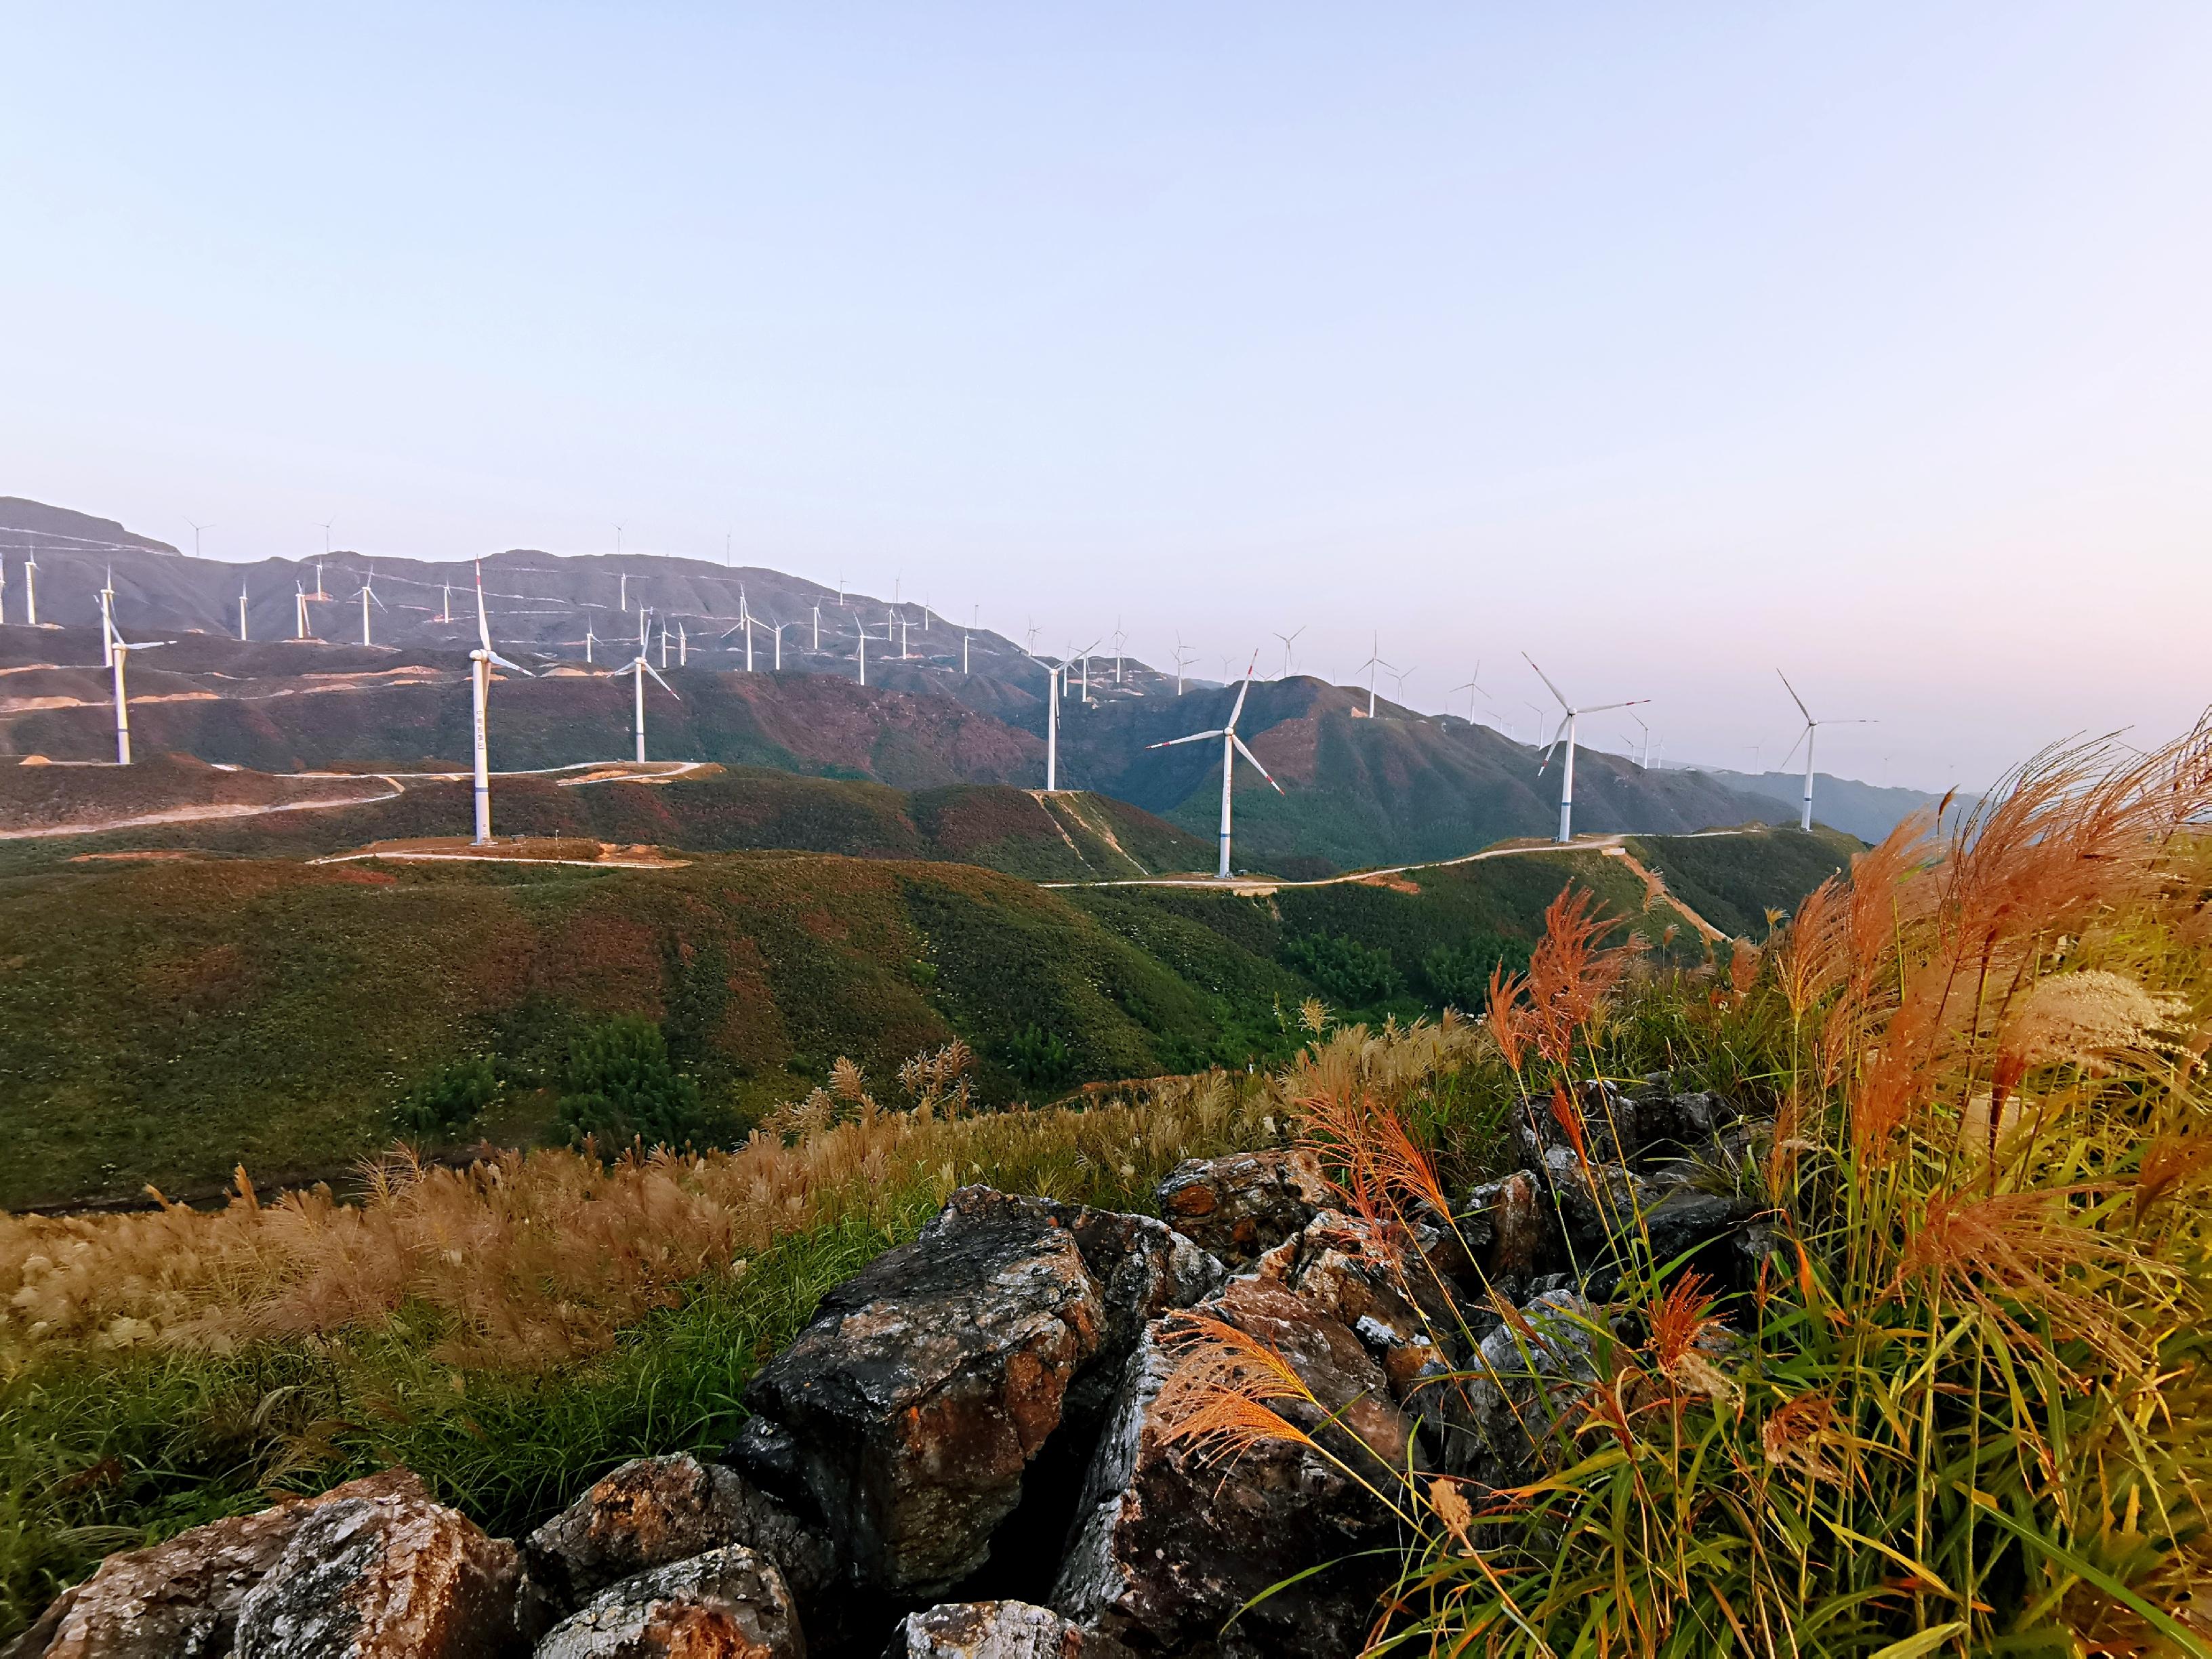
(776, 632)
(446, 614)
(817, 631)
(639, 668)
(300, 611)
(587, 642)
(107, 619)
(368, 592)
(1056, 686)
(196, 528)
(241, 611)
(683, 647)
(123, 650)
(1184, 657)
(1567, 731)
(30, 586)
(864, 651)
(974, 617)
(481, 662)
(1646, 762)
(1232, 746)
(1812, 729)
(1472, 686)
(1287, 640)
(1374, 662)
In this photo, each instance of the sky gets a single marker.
(1670, 345)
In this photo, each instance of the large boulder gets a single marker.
(1239, 1205)
(1170, 1543)
(727, 1603)
(179, 1600)
(1143, 1269)
(996, 1630)
(391, 1576)
(652, 1511)
(907, 1412)
(1527, 1375)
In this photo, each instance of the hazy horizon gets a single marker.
(1868, 343)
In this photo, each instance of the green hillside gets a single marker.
(162, 1021)
(1735, 881)
(1066, 837)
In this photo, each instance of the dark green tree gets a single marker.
(619, 1087)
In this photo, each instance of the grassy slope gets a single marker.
(995, 825)
(161, 1022)
(1734, 881)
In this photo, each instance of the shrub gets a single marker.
(1039, 1059)
(1349, 973)
(1459, 974)
(620, 1088)
(450, 1100)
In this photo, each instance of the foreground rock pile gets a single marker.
(968, 1454)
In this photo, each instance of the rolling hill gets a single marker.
(163, 1019)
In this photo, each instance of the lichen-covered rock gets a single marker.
(179, 1600)
(1526, 1374)
(1373, 1279)
(1522, 1227)
(997, 1630)
(652, 1511)
(727, 1603)
(1168, 1545)
(395, 1576)
(1239, 1205)
(1143, 1269)
(906, 1413)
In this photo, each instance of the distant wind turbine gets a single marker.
(1232, 746)
(242, 612)
(1566, 732)
(123, 650)
(31, 587)
(196, 528)
(107, 619)
(973, 616)
(816, 650)
(300, 630)
(1288, 640)
(1646, 762)
(683, 647)
(638, 668)
(1472, 686)
(864, 653)
(1055, 686)
(368, 593)
(1812, 729)
(1372, 665)
(481, 661)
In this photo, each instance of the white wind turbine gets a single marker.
(481, 661)
(121, 650)
(368, 593)
(1566, 732)
(1289, 640)
(1646, 762)
(683, 647)
(1055, 686)
(1812, 729)
(1472, 686)
(864, 648)
(241, 611)
(1232, 746)
(1183, 658)
(817, 631)
(1372, 665)
(300, 630)
(638, 668)
(974, 617)
(31, 587)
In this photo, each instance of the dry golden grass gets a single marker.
(535, 1258)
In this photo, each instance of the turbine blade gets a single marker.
(1244, 685)
(1195, 737)
(1784, 762)
(1599, 708)
(1794, 697)
(1254, 759)
(483, 628)
(1546, 678)
(511, 667)
(655, 672)
(1558, 738)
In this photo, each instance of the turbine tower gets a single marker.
(368, 593)
(1812, 729)
(30, 586)
(108, 620)
(1289, 640)
(242, 612)
(1055, 686)
(481, 663)
(638, 668)
(299, 630)
(1232, 746)
(1567, 732)
(123, 648)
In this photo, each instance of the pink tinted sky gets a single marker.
(1669, 344)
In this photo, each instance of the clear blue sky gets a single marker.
(1668, 342)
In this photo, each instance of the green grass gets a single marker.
(1735, 881)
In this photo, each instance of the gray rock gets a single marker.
(1685, 1219)
(728, 1603)
(1240, 1206)
(1169, 1545)
(652, 1511)
(1144, 1267)
(393, 1576)
(1523, 1380)
(997, 1630)
(908, 1410)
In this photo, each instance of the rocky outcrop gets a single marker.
(1240, 1206)
(906, 1413)
(997, 1630)
(391, 1576)
(727, 1603)
(654, 1511)
(182, 1597)
(1170, 1545)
